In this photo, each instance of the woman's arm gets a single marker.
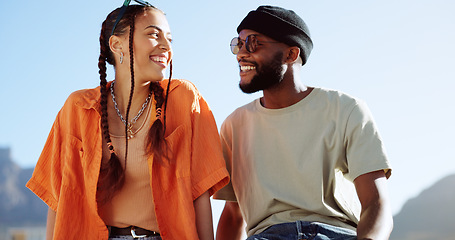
(204, 222)
(50, 224)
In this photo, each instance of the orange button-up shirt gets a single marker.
(66, 174)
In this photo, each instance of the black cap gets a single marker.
(282, 25)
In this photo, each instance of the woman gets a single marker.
(136, 157)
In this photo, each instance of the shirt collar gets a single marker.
(90, 99)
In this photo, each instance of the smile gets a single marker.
(159, 59)
(247, 68)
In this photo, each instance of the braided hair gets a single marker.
(112, 174)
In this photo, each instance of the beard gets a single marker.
(268, 75)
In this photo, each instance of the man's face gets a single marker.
(267, 75)
(262, 68)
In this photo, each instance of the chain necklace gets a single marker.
(133, 121)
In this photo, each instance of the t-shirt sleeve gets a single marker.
(226, 193)
(208, 169)
(365, 151)
(46, 179)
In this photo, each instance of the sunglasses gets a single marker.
(251, 43)
(126, 3)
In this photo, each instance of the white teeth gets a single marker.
(159, 59)
(247, 68)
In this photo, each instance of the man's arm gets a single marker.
(376, 220)
(231, 224)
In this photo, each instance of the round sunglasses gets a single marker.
(251, 43)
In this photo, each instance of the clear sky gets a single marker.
(397, 55)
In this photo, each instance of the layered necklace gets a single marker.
(129, 125)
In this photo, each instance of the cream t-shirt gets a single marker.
(298, 162)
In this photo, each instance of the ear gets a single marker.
(293, 54)
(116, 44)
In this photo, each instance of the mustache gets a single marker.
(250, 62)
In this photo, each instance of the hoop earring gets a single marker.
(121, 57)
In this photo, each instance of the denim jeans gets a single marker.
(301, 230)
(131, 238)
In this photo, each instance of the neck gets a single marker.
(122, 90)
(288, 92)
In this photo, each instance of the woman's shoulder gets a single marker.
(181, 86)
(182, 83)
(85, 98)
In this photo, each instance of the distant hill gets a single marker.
(428, 216)
(19, 207)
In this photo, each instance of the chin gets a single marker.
(245, 81)
(158, 77)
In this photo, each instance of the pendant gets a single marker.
(129, 131)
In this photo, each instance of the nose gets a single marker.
(242, 52)
(165, 44)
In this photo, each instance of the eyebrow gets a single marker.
(156, 27)
(153, 26)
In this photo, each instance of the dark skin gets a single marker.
(376, 218)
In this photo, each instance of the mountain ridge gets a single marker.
(19, 207)
(429, 215)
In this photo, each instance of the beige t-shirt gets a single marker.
(298, 163)
(133, 204)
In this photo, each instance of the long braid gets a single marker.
(167, 95)
(156, 143)
(111, 174)
(131, 38)
(155, 140)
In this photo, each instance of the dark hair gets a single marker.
(112, 175)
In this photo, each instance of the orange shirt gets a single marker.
(66, 174)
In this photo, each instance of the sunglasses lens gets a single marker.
(251, 43)
(235, 45)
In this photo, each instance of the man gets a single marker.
(298, 155)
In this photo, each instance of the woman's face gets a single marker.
(152, 46)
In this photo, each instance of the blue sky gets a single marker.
(398, 56)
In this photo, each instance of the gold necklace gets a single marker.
(129, 125)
